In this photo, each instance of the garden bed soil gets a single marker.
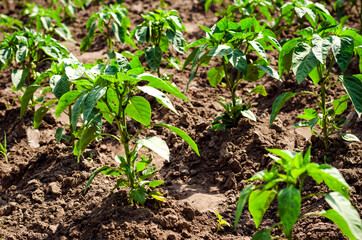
(42, 186)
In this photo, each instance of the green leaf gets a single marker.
(46, 21)
(245, 193)
(73, 74)
(269, 70)
(39, 115)
(349, 137)
(340, 105)
(87, 41)
(332, 177)
(259, 202)
(321, 47)
(77, 108)
(238, 60)
(284, 154)
(60, 85)
(52, 51)
(163, 85)
(156, 144)
(353, 86)
(65, 101)
(119, 31)
(304, 61)
(28, 95)
(345, 209)
(278, 104)
(93, 96)
(215, 75)
(341, 223)
(21, 53)
(59, 134)
(285, 56)
(139, 195)
(177, 40)
(342, 48)
(87, 136)
(191, 57)
(153, 56)
(18, 77)
(259, 49)
(155, 183)
(220, 50)
(95, 173)
(139, 109)
(259, 89)
(248, 114)
(182, 134)
(141, 34)
(160, 96)
(222, 24)
(174, 62)
(262, 235)
(314, 75)
(289, 204)
(164, 43)
(5, 55)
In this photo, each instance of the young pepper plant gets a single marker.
(340, 7)
(159, 29)
(303, 11)
(8, 23)
(47, 19)
(67, 7)
(249, 8)
(63, 74)
(292, 169)
(230, 45)
(29, 48)
(112, 18)
(313, 55)
(111, 90)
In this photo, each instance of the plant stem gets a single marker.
(324, 107)
(229, 82)
(71, 126)
(122, 128)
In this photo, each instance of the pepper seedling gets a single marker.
(313, 55)
(47, 19)
(285, 181)
(159, 29)
(110, 19)
(230, 45)
(111, 91)
(30, 48)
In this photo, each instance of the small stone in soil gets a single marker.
(54, 188)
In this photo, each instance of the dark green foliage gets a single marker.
(229, 44)
(292, 169)
(110, 21)
(313, 55)
(159, 29)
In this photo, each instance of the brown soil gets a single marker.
(41, 188)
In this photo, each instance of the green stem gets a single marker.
(122, 128)
(303, 177)
(109, 39)
(323, 106)
(312, 195)
(71, 130)
(229, 82)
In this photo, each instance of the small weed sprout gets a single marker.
(221, 221)
(3, 150)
